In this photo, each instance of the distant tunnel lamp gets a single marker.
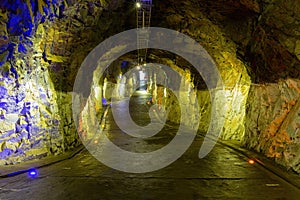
(251, 162)
(138, 5)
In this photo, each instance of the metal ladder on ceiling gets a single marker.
(143, 10)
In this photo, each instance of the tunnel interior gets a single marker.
(254, 43)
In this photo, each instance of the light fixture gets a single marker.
(32, 173)
(251, 162)
(138, 5)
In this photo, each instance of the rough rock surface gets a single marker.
(43, 43)
(273, 50)
(273, 121)
(35, 83)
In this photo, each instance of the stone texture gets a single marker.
(35, 109)
(223, 51)
(272, 121)
(43, 43)
(262, 30)
(275, 35)
(235, 100)
(36, 120)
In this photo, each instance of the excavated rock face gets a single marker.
(273, 50)
(43, 43)
(273, 121)
(266, 32)
(266, 37)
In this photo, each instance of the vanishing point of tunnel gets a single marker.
(149, 99)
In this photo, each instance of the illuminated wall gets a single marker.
(35, 116)
(273, 121)
(43, 43)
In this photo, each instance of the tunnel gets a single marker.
(222, 78)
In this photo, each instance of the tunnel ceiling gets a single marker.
(265, 33)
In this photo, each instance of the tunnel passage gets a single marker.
(255, 45)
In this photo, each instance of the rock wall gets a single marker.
(273, 121)
(30, 120)
(41, 48)
(35, 118)
(224, 52)
(275, 35)
(234, 117)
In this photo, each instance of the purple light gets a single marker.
(104, 101)
(32, 173)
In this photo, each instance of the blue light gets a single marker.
(104, 101)
(32, 173)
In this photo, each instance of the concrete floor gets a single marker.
(223, 174)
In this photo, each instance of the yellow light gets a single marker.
(251, 162)
(138, 5)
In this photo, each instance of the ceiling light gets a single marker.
(138, 5)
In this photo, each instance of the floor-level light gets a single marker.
(251, 162)
(32, 173)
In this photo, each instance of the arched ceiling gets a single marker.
(263, 35)
(266, 32)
